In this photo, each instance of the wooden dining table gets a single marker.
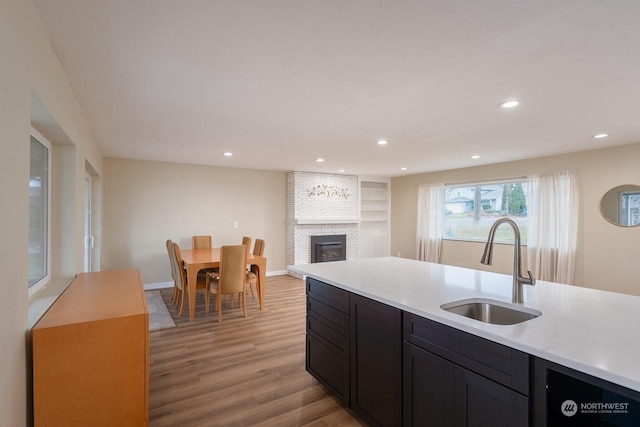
(195, 260)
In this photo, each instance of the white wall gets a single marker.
(146, 203)
(606, 254)
(29, 69)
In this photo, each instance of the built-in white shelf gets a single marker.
(374, 217)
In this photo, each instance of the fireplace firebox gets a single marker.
(328, 248)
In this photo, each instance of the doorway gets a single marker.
(88, 236)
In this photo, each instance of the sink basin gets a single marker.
(491, 311)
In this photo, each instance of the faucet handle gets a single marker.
(532, 280)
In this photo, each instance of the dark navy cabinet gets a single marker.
(452, 378)
(376, 361)
(354, 348)
(328, 343)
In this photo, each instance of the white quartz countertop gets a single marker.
(592, 331)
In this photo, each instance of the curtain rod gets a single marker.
(484, 181)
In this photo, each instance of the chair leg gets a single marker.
(219, 306)
(206, 294)
(176, 299)
(182, 302)
(243, 296)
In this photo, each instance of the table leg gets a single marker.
(192, 281)
(262, 269)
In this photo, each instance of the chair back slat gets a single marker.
(180, 273)
(169, 250)
(247, 242)
(201, 242)
(233, 262)
(258, 247)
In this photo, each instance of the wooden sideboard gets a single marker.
(91, 354)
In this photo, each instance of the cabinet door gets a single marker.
(480, 402)
(328, 368)
(428, 393)
(376, 361)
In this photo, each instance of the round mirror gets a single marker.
(621, 205)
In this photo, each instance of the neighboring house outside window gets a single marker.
(470, 210)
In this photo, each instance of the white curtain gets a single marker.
(553, 208)
(430, 222)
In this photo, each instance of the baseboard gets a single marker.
(277, 273)
(296, 275)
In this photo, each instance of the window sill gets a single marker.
(497, 242)
(44, 298)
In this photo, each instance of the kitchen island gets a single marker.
(589, 331)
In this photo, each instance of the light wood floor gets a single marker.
(241, 372)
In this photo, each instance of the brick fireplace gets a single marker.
(320, 205)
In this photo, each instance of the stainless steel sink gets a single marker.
(491, 311)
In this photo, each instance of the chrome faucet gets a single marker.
(518, 278)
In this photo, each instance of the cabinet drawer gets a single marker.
(495, 361)
(328, 368)
(328, 294)
(329, 337)
(331, 317)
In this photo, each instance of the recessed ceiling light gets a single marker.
(475, 156)
(601, 135)
(509, 104)
(383, 142)
(228, 153)
(341, 170)
(319, 160)
(403, 169)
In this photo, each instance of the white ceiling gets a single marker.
(282, 82)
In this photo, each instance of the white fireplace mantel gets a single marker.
(315, 221)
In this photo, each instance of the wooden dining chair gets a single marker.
(171, 253)
(175, 275)
(247, 242)
(182, 282)
(252, 274)
(201, 242)
(230, 280)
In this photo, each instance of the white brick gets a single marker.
(340, 202)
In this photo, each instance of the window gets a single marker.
(470, 210)
(39, 191)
